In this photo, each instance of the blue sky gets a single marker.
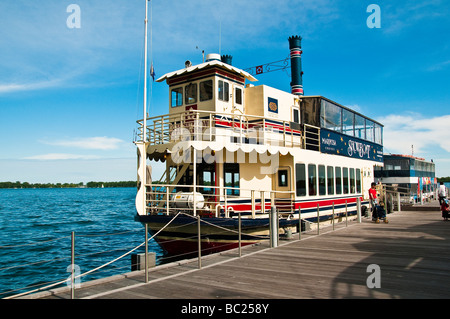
(70, 97)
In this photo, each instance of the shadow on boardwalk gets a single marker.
(413, 255)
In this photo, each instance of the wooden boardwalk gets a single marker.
(412, 252)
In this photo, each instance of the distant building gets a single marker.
(409, 173)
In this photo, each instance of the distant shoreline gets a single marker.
(20, 185)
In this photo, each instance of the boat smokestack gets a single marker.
(226, 59)
(295, 45)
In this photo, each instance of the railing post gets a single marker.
(398, 202)
(146, 253)
(333, 215)
(210, 127)
(167, 199)
(346, 214)
(226, 207)
(194, 177)
(253, 204)
(240, 229)
(263, 202)
(199, 238)
(318, 220)
(273, 227)
(299, 222)
(72, 275)
(358, 209)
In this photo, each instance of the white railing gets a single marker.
(230, 127)
(215, 200)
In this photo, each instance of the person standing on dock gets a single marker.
(373, 200)
(377, 202)
(442, 193)
(445, 209)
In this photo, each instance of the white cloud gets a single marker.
(439, 66)
(425, 134)
(93, 143)
(60, 156)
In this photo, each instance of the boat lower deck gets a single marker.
(412, 252)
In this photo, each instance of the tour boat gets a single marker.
(235, 151)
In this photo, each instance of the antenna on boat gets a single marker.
(203, 53)
(220, 37)
(144, 131)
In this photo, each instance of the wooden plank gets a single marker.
(412, 251)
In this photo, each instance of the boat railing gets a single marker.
(195, 125)
(215, 201)
(312, 137)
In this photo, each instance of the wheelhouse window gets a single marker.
(191, 93)
(231, 177)
(206, 90)
(300, 179)
(224, 91)
(295, 115)
(238, 96)
(322, 180)
(312, 179)
(177, 97)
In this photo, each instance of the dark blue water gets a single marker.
(35, 230)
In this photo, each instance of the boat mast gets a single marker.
(142, 145)
(144, 133)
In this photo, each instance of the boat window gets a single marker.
(312, 179)
(206, 90)
(177, 97)
(360, 127)
(300, 179)
(238, 95)
(358, 180)
(338, 180)
(330, 180)
(330, 116)
(345, 179)
(231, 176)
(207, 178)
(378, 133)
(224, 91)
(283, 178)
(348, 118)
(310, 111)
(295, 115)
(370, 135)
(191, 93)
(352, 180)
(322, 180)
